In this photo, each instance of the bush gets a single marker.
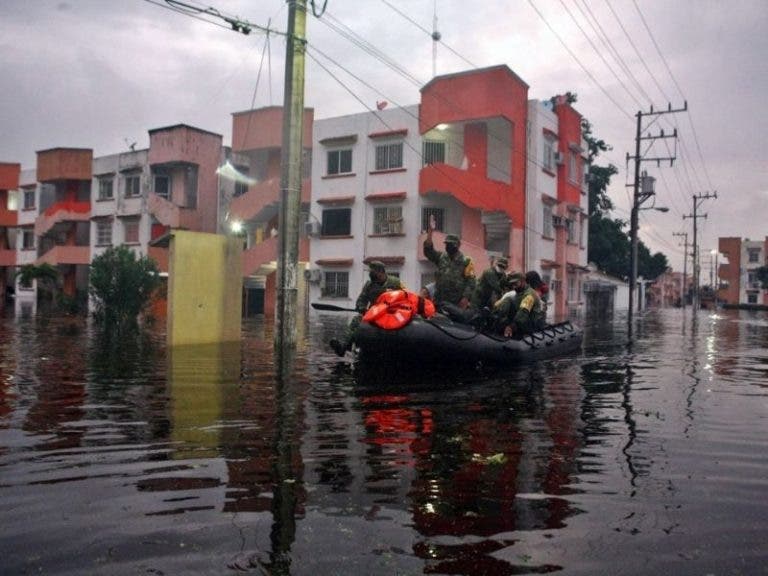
(121, 285)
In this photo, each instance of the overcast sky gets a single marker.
(99, 74)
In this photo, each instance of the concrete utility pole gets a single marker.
(684, 235)
(290, 178)
(697, 200)
(639, 196)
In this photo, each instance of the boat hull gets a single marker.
(440, 339)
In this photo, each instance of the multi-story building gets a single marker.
(738, 277)
(667, 290)
(72, 206)
(475, 157)
(9, 182)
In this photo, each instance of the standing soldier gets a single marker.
(378, 283)
(455, 276)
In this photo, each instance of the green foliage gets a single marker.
(45, 274)
(121, 285)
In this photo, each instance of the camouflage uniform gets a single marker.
(368, 296)
(490, 287)
(455, 277)
(530, 312)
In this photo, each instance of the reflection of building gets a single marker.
(459, 158)
(738, 281)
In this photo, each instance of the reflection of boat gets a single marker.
(442, 339)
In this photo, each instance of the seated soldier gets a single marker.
(529, 314)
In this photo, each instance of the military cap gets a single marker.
(377, 265)
(501, 261)
(452, 239)
(515, 277)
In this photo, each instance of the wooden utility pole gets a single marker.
(290, 178)
(683, 291)
(697, 200)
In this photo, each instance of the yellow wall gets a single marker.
(204, 288)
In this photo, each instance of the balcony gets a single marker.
(471, 189)
(7, 257)
(261, 259)
(173, 216)
(66, 255)
(251, 205)
(8, 218)
(66, 211)
(160, 256)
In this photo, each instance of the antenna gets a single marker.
(435, 39)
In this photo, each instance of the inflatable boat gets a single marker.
(443, 340)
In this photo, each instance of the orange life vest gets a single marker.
(395, 309)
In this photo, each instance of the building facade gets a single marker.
(474, 156)
(737, 272)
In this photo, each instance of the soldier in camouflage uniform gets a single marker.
(529, 315)
(378, 283)
(491, 285)
(455, 277)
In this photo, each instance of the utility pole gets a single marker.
(290, 178)
(684, 235)
(639, 196)
(697, 200)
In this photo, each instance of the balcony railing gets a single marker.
(7, 257)
(248, 206)
(66, 255)
(65, 211)
(169, 214)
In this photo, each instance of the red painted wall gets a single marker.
(731, 248)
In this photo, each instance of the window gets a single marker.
(389, 156)
(434, 152)
(572, 296)
(547, 223)
(388, 220)
(582, 240)
(241, 187)
(336, 285)
(29, 199)
(439, 216)
(337, 222)
(575, 167)
(162, 186)
(105, 188)
(28, 240)
(570, 228)
(103, 232)
(754, 255)
(132, 185)
(339, 162)
(549, 155)
(131, 230)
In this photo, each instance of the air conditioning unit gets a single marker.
(312, 228)
(558, 222)
(313, 275)
(559, 158)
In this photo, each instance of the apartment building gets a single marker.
(72, 206)
(475, 155)
(739, 261)
(9, 182)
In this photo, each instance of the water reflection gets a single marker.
(210, 459)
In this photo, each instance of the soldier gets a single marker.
(491, 285)
(378, 283)
(529, 314)
(455, 277)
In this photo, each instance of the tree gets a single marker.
(121, 285)
(45, 274)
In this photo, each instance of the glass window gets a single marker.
(28, 240)
(549, 155)
(105, 188)
(388, 220)
(389, 156)
(547, 223)
(337, 222)
(132, 185)
(339, 161)
(162, 186)
(103, 232)
(131, 230)
(439, 217)
(434, 152)
(570, 227)
(336, 285)
(572, 289)
(754, 255)
(29, 199)
(751, 298)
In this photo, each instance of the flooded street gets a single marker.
(122, 458)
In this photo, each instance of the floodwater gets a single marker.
(123, 458)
